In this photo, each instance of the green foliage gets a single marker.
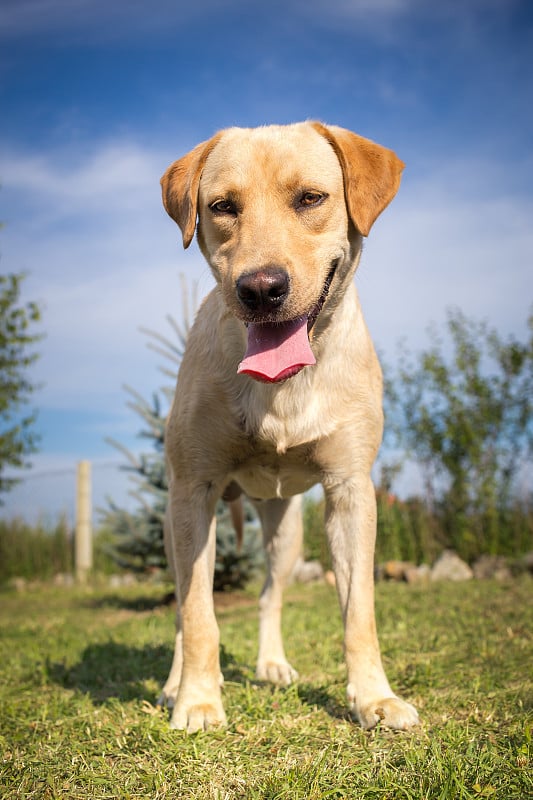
(138, 536)
(406, 531)
(465, 417)
(137, 542)
(315, 542)
(17, 438)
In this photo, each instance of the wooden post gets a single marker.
(83, 549)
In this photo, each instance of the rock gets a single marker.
(527, 562)
(522, 565)
(492, 567)
(63, 579)
(116, 581)
(421, 574)
(19, 584)
(396, 570)
(449, 567)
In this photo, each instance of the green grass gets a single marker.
(80, 670)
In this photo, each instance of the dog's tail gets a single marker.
(236, 509)
(232, 495)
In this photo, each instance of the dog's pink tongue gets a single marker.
(276, 352)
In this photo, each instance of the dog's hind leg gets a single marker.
(169, 693)
(281, 521)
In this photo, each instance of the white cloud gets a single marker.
(458, 236)
(103, 259)
(118, 174)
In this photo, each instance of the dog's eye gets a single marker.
(309, 199)
(222, 207)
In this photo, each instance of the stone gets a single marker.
(488, 566)
(449, 567)
(396, 570)
(527, 562)
(65, 579)
(19, 584)
(421, 574)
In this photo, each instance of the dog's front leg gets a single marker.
(281, 521)
(351, 528)
(198, 704)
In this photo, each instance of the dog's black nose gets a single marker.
(264, 290)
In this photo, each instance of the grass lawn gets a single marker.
(80, 670)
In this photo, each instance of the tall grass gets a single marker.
(408, 530)
(38, 552)
(34, 551)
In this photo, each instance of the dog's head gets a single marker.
(281, 215)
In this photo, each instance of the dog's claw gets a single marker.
(167, 699)
(391, 712)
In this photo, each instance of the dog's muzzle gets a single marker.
(276, 350)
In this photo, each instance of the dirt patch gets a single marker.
(226, 601)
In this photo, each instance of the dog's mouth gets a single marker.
(277, 351)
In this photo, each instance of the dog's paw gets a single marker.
(279, 672)
(198, 717)
(390, 712)
(169, 693)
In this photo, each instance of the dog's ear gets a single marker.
(371, 172)
(180, 185)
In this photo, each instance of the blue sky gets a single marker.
(97, 98)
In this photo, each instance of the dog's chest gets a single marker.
(267, 474)
(281, 429)
(285, 420)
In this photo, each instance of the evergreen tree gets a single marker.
(17, 437)
(138, 535)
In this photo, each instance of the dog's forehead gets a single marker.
(278, 153)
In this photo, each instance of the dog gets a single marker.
(279, 389)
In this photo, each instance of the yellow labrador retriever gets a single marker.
(279, 389)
